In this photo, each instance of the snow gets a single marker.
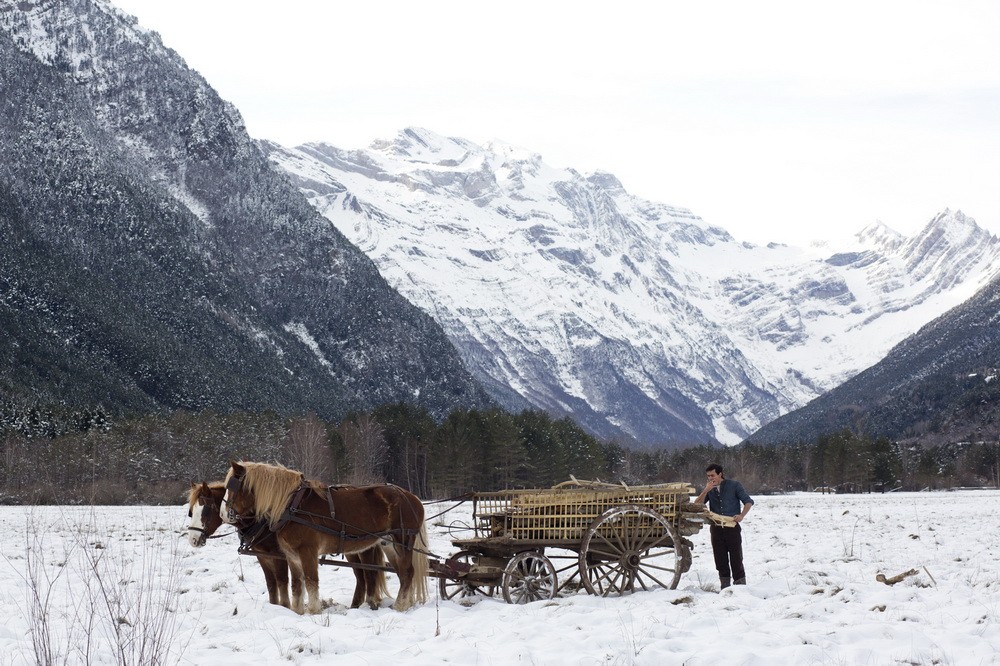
(300, 331)
(812, 596)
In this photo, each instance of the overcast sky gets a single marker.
(778, 121)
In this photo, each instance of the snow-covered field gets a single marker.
(107, 577)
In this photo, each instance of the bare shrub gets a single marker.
(101, 598)
(307, 448)
(43, 582)
(134, 597)
(366, 450)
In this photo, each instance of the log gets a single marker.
(895, 579)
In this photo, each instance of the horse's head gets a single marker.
(238, 502)
(257, 491)
(203, 509)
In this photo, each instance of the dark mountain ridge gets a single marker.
(152, 258)
(940, 385)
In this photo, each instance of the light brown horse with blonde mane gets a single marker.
(204, 502)
(310, 519)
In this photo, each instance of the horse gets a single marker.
(203, 509)
(310, 519)
(204, 504)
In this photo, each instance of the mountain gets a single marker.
(941, 384)
(154, 259)
(564, 292)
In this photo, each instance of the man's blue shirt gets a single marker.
(727, 498)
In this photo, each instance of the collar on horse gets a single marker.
(251, 534)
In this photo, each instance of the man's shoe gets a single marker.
(740, 581)
(724, 582)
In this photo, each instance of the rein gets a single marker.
(464, 498)
(207, 535)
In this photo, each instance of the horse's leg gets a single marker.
(360, 577)
(280, 569)
(374, 578)
(404, 569)
(295, 568)
(275, 570)
(309, 560)
(267, 566)
(376, 583)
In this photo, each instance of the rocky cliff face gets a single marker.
(564, 292)
(153, 258)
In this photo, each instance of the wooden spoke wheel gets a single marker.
(629, 548)
(467, 586)
(567, 565)
(529, 576)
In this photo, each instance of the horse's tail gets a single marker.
(420, 566)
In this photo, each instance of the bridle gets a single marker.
(227, 512)
(207, 506)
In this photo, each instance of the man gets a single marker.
(724, 497)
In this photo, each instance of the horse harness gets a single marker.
(255, 531)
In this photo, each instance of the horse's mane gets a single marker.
(271, 486)
(195, 489)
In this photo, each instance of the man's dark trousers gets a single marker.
(727, 545)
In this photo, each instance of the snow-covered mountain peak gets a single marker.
(508, 153)
(880, 237)
(607, 182)
(419, 145)
(955, 228)
(945, 246)
(639, 319)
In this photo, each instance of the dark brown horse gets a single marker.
(203, 508)
(204, 505)
(310, 519)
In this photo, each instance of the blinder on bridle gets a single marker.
(206, 503)
(234, 485)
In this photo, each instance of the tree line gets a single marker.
(840, 462)
(89, 456)
(62, 456)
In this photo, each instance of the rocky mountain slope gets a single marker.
(941, 385)
(639, 319)
(153, 258)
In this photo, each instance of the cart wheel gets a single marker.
(630, 547)
(463, 588)
(529, 576)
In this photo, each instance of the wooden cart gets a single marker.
(609, 539)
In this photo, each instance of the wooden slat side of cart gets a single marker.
(624, 538)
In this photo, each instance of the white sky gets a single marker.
(781, 121)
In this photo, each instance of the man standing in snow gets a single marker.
(724, 497)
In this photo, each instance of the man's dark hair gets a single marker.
(714, 467)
